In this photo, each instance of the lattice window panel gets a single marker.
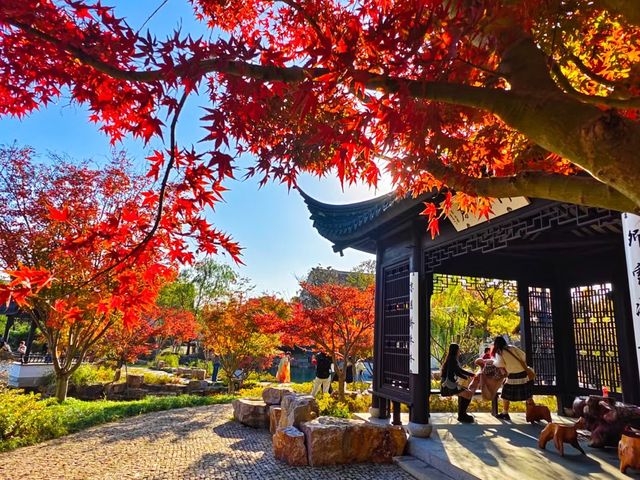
(543, 358)
(441, 282)
(595, 335)
(499, 236)
(395, 327)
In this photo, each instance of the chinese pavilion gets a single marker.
(567, 263)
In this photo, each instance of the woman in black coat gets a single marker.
(451, 371)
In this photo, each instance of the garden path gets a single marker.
(188, 443)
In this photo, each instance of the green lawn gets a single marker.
(26, 420)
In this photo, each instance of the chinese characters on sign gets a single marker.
(631, 229)
(414, 323)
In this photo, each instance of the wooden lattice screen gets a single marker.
(595, 335)
(541, 341)
(395, 327)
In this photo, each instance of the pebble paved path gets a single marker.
(188, 443)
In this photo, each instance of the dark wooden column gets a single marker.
(420, 381)
(626, 341)
(564, 344)
(378, 405)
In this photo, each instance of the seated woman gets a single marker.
(451, 371)
(518, 387)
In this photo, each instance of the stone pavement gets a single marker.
(188, 443)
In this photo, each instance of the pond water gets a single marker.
(301, 374)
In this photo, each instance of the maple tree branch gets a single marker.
(592, 75)
(581, 190)
(633, 102)
(460, 94)
(161, 196)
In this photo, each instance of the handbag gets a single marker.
(531, 373)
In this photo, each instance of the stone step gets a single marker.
(418, 469)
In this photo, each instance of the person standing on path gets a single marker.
(323, 374)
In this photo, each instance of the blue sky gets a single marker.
(271, 223)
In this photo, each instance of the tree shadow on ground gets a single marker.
(179, 423)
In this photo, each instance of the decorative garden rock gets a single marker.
(274, 395)
(274, 417)
(332, 441)
(90, 392)
(134, 381)
(198, 374)
(253, 413)
(297, 409)
(288, 446)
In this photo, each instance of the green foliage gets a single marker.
(180, 294)
(469, 312)
(26, 420)
(170, 360)
(88, 374)
(331, 407)
(151, 378)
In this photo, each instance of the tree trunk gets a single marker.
(342, 377)
(62, 385)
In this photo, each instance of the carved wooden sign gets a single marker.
(462, 221)
(631, 235)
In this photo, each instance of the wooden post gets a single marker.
(397, 420)
(420, 332)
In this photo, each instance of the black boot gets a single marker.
(463, 416)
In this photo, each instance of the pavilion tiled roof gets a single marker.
(350, 225)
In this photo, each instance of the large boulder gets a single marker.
(332, 441)
(297, 409)
(288, 446)
(198, 374)
(274, 417)
(253, 413)
(274, 395)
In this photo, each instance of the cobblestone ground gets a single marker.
(189, 443)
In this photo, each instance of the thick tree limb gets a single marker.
(581, 190)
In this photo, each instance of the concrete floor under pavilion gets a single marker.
(496, 449)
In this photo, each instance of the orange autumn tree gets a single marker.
(339, 322)
(240, 333)
(479, 99)
(75, 243)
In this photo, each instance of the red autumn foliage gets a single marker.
(490, 98)
(173, 326)
(340, 324)
(72, 243)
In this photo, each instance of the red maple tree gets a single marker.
(495, 98)
(340, 323)
(74, 241)
(173, 326)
